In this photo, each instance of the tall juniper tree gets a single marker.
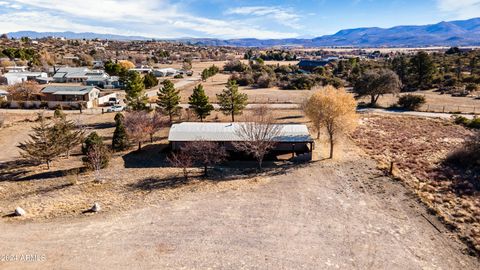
(199, 103)
(134, 89)
(231, 101)
(120, 138)
(43, 145)
(169, 99)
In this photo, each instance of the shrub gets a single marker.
(236, 66)
(474, 123)
(91, 140)
(178, 76)
(243, 79)
(471, 87)
(299, 82)
(461, 120)
(265, 81)
(411, 102)
(4, 104)
(467, 158)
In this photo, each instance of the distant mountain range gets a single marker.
(453, 33)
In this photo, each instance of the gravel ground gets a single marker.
(328, 215)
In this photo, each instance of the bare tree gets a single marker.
(138, 126)
(24, 91)
(258, 135)
(335, 109)
(157, 122)
(96, 159)
(206, 153)
(181, 159)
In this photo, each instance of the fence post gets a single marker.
(391, 168)
(443, 109)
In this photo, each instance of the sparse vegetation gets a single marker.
(411, 102)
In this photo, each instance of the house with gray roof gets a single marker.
(87, 95)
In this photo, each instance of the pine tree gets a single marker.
(58, 113)
(150, 81)
(97, 155)
(92, 139)
(199, 102)
(169, 99)
(231, 101)
(134, 89)
(120, 138)
(43, 145)
(67, 134)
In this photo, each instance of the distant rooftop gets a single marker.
(227, 132)
(68, 90)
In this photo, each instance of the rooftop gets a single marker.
(227, 132)
(68, 90)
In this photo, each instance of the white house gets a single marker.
(165, 72)
(12, 78)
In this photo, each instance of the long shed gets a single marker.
(292, 137)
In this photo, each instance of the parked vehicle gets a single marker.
(116, 108)
(113, 101)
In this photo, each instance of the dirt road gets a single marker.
(329, 215)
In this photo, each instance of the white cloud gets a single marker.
(460, 9)
(9, 5)
(159, 18)
(281, 15)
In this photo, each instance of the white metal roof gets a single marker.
(227, 132)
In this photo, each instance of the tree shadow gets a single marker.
(12, 170)
(104, 125)
(290, 117)
(150, 156)
(156, 183)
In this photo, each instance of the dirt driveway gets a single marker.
(329, 215)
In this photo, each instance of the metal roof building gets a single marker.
(291, 138)
(227, 132)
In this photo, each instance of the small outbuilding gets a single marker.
(293, 138)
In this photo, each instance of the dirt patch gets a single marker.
(417, 146)
(333, 215)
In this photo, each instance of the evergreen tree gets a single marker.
(120, 138)
(169, 99)
(400, 66)
(199, 102)
(134, 88)
(150, 81)
(231, 101)
(96, 153)
(58, 113)
(422, 69)
(43, 145)
(67, 134)
(92, 139)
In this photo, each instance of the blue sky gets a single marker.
(225, 18)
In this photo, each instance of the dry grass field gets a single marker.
(417, 147)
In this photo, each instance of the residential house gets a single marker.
(71, 95)
(142, 69)
(13, 77)
(165, 72)
(75, 74)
